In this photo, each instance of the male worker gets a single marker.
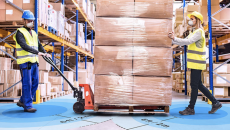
(28, 48)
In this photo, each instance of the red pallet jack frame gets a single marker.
(88, 102)
(89, 105)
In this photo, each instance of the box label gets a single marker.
(26, 1)
(222, 69)
(220, 80)
(219, 91)
(9, 12)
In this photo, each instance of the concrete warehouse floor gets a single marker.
(57, 114)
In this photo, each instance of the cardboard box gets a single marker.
(1, 89)
(152, 91)
(43, 77)
(174, 84)
(118, 8)
(221, 92)
(180, 81)
(180, 86)
(205, 3)
(189, 89)
(58, 7)
(28, 4)
(82, 77)
(123, 35)
(12, 76)
(42, 88)
(55, 80)
(224, 15)
(53, 73)
(57, 87)
(152, 61)
(2, 76)
(113, 60)
(13, 14)
(5, 63)
(3, 15)
(2, 5)
(13, 92)
(192, 8)
(224, 69)
(217, 81)
(43, 65)
(69, 76)
(48, 89)
(111, 90)
(204, 12)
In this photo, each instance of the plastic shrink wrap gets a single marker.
(157, 9)
(133, 31)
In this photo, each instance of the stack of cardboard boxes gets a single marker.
(133, 55)
(9, 77)
(88, 9)
(81, 34)
(220, 86)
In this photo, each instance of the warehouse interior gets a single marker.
(113, 65)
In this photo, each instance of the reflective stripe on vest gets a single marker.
(32, 41)
(196, 57)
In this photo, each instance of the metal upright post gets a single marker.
(85, 42)
(217, 51)
(36, 16)
(53, 55)
(185, 61)
(62, 61)
(92, 44)
(63, 2)
(210, 45)
(76, 45)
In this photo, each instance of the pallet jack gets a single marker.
(88, 102)
(81, 103)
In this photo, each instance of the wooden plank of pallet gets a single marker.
(53, 95)
(43, 99)
(179, 90)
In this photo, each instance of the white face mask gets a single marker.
(30, 25)
(190, 23)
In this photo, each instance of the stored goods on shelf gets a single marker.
(55, 80)
(43, 77)
(43, 65)
(5, 63)
(48, 89)
(69, 76)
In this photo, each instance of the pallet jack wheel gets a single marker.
(78, 107)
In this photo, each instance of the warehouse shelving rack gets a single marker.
(221, 40)
(7, 31)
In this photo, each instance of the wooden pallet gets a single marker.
(45, 26)
(173, 89)
(53, 95)
(44, 99)
(179, 90)
(60, 94)
(68, 92)
(12, 24)
(132, 109)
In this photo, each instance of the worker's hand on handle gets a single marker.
(171, 35)
(48, 55)
(41, 54)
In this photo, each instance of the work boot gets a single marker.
(30, 110)
(215, 107)
(20, 104)
(187, 111)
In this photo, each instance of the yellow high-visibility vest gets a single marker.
(196, 56)
(32, 41)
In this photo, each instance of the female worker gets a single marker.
(196, 61)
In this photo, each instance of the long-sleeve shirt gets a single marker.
(22, 42)
(196, 38)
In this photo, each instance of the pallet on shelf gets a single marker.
(52, 30)
(44, 99)
(53, 95)
(131, 109)
(45, 26)
(180, 90)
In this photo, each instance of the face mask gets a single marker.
(30, 25)
(190, 23)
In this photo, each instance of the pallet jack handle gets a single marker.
(50, 61)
